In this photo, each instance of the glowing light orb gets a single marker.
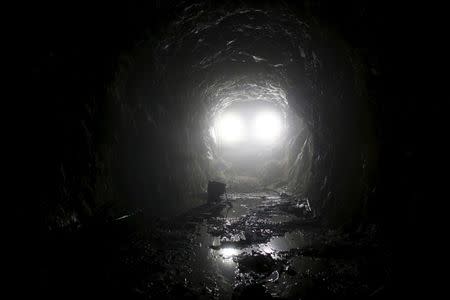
(229, 128)
(267, 126)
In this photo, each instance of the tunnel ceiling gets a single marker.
(234, 52)
(223, 94)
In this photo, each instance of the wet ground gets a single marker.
(252, 245)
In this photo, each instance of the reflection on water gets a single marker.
(214, 269)
(215, 263)
(289, 241)
(266, 248)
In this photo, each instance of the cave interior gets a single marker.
(293, 105)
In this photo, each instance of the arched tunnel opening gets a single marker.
(208, 65)
(279, 103)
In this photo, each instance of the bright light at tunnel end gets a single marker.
(264, 128)
(229, 128)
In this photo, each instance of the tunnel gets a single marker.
(286, 104)
(196, 73)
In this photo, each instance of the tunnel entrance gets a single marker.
(250, 142)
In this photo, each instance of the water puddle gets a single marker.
(214, 270)
(216, 265)
(290, 240)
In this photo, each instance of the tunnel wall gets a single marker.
(333, 101)
(162, 160)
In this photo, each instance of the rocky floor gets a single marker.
(252, 245)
